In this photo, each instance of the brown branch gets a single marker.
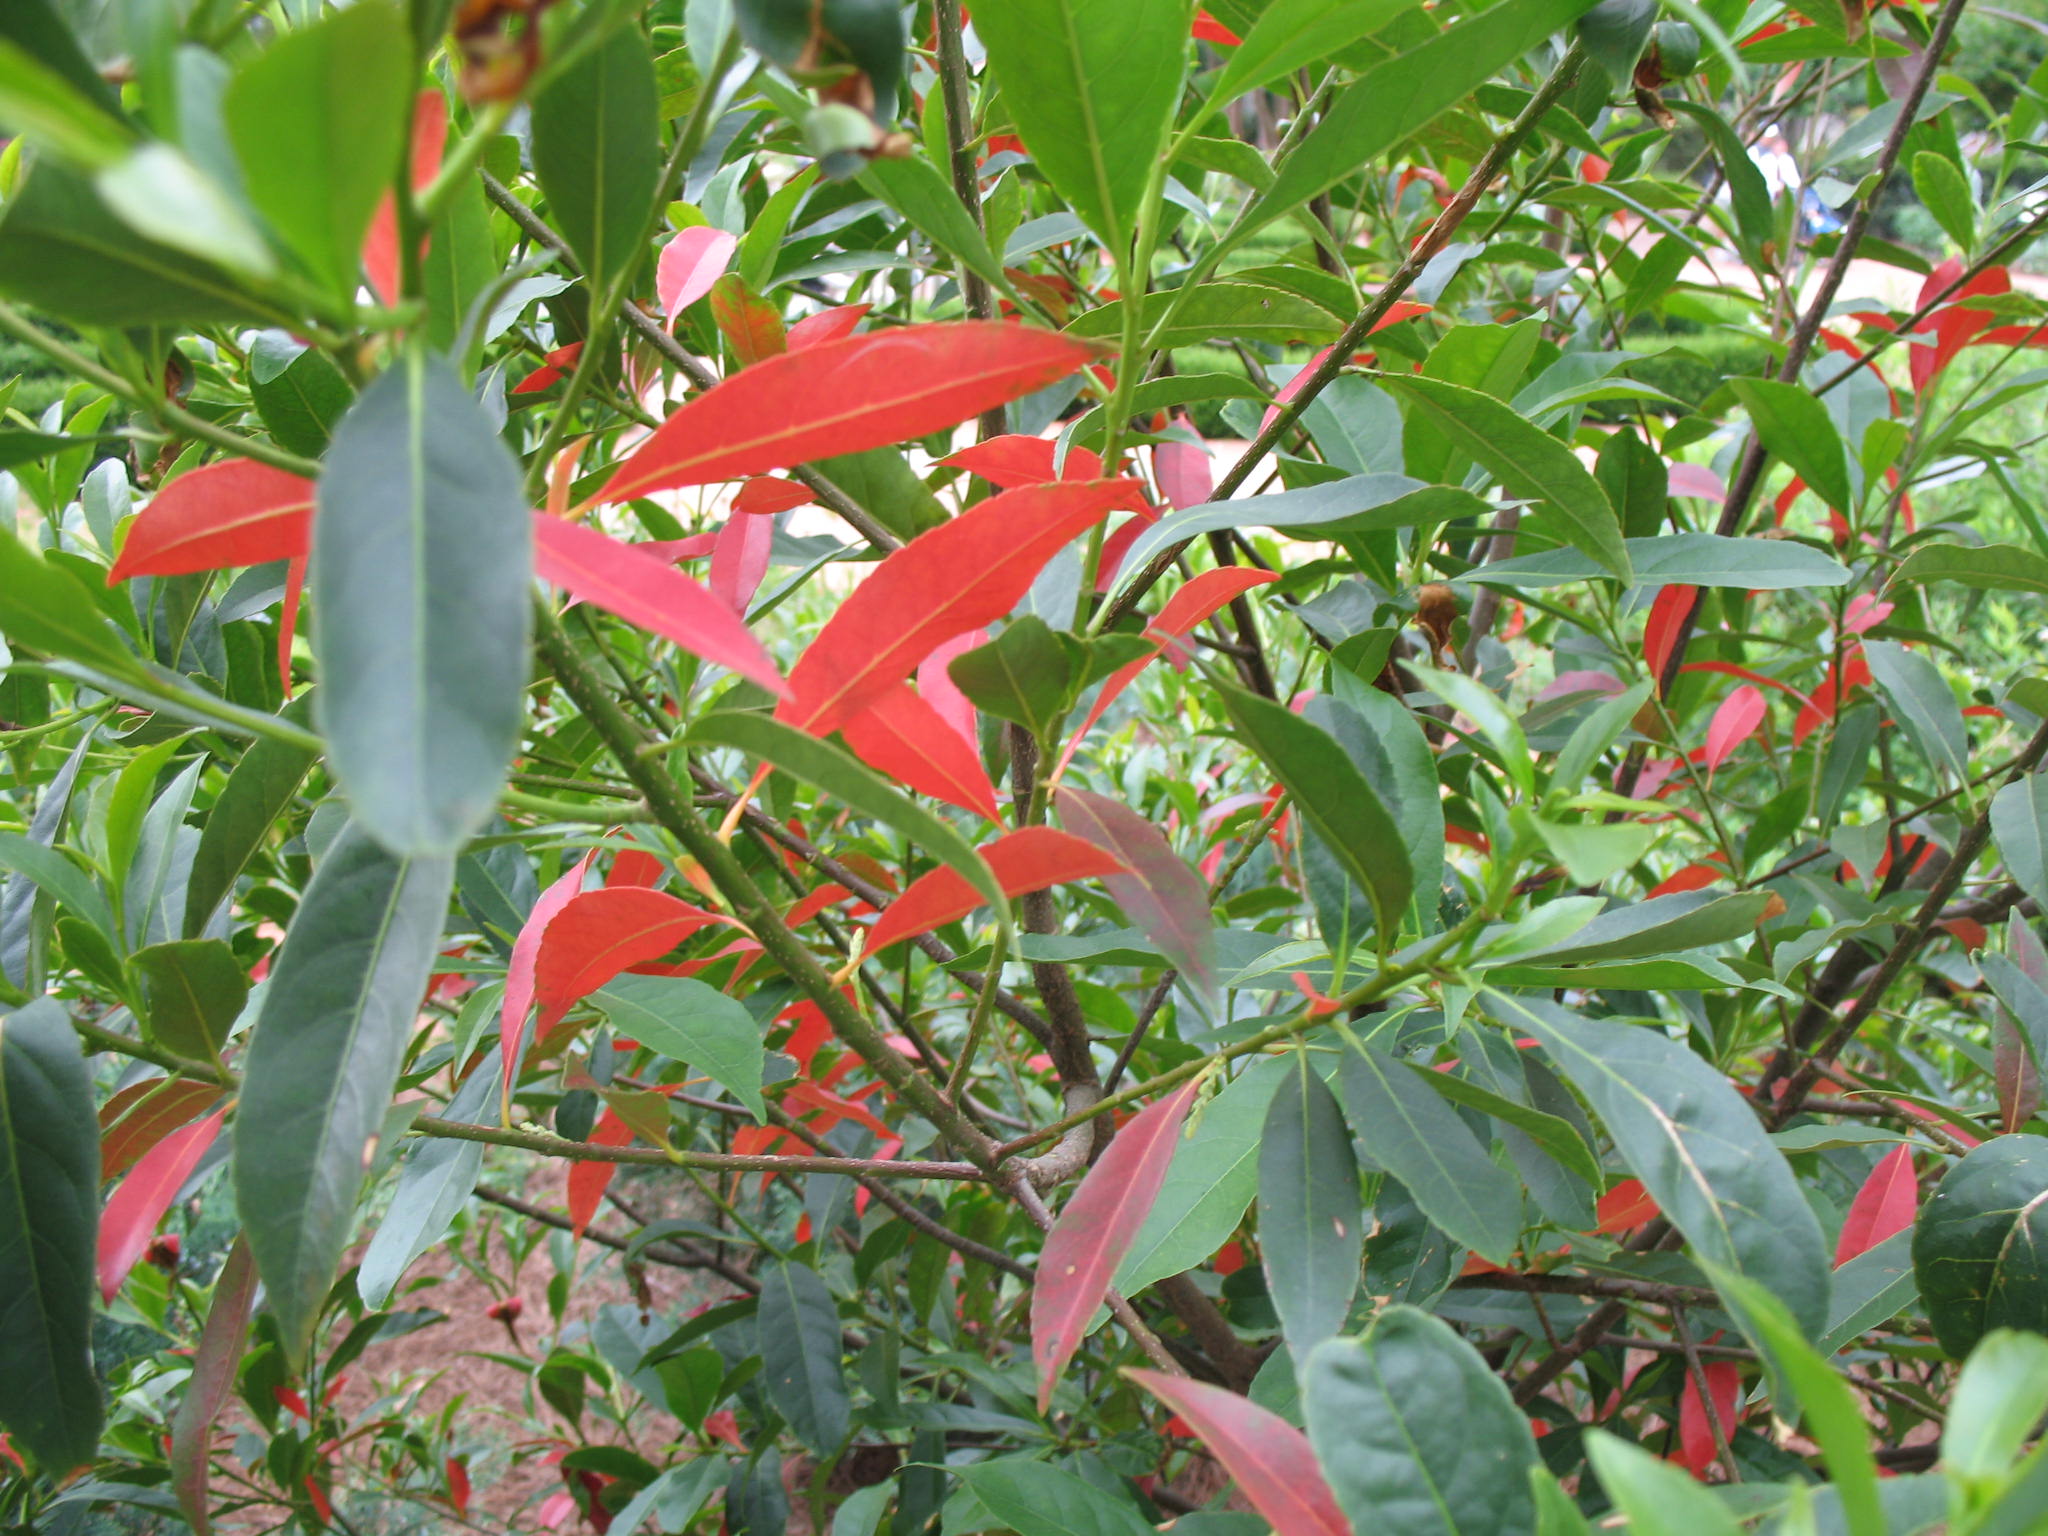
(675, 1254)
(724, 1162)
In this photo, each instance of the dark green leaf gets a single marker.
(49, 1230)
(686, 1020)
(800, 1351)
(1925, 703)
(422, 576)
(1221, 311)
(1416, 1434)
(257, 791)
(1311, 1231)
(299, 394)
(46, 608)
(1045, 1500)
(597, 152)
(1756, 226)
(317, 121)
(1556, 1136)
(1993, 567)
(1022, 675)
(1872, 1288)
(1980, 1246)
(1648, 929)
(323, 1060)
(915, 188)
(1696, 1145)
(58, 876)
(1292, 33)
(1796, 426)
(1614, 33)
(434, 1184)
(2019, 825)
(195, 990)
(1695, 559)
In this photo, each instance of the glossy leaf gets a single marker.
(1024, 675)
(1929, 710)
(421, 578)
(1292, 33)
(1979, 1241)
(751, 325)
(897, 733)
(46, 608)
(639, 588)
(597, 152)
(140, 1200)
(1155, 886)
(236, 512)
(877, 388)
(1013, 460)
(1796, 426)
(1885, 1204)
(1696, 1145)
(1094, 1231)
(800, 1356)
(1684, 559)
(49, 1218)
(691, 261)
(1991, 567)
(739, 559)
(323, 1061)
(1415, 1434)
(1735, 720)
(594, 935)
(1311, 1216)
(214, 1364)
(383, 264)
(1029, 859)
(1269, 1459)
(195, 990)
(688, 1021)
(589, 1178)
(959, 576)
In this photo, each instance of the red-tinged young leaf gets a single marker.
(844, 396)
(214, 1366)
(288, 619)
(826, 895)
(961, 575)
(1734, 722)
(555, 367)
(589, 1180)
(141, 1115)
(625, 580)
(519, 970)
(767, 494)
(635, 867)
(458, 1485)
(739, 559)
(597, 934)
(1159, 892)
(1015, 460)
(898, 734)
(1270, 1460)
(751, 325)
(1691, 878)
(1698, 1443)
(1625, 1207)
(1026, 860)
(690, 263)
(1885, 1205)
(380, 244)
(1181, 471)
(1095, 1230)
(1208, 29)
(237, 512)
(826, 325)
(140, 1200)
(1668, 613)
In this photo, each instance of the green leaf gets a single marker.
(63, 250)
(1797, 427)
(597, 153)
(1381, 735)
(1402, 95)
(1292, 33)
(1023, 675)
(800, 1351)
(1696, 1145)
(258, 789)
(299, 394)
(1614, 33)
(49, 1231)
(1925, 702)
(805, 757)
(1311, 1216)
(1999, 1399)
(1525, 459)
(153, 884)
(195, 990)
(1991, 567)
(1415, 1433)
(1756, 225)
(1333, 797)
(1217, 311)
(318, 123)
(38, 29)
(1030, 1496)
(1833, 1415)
(322, 1063)
(2019, 825)
(686, 1020)
(1980, 1245)
(1659, 1498)
(422, 577)
(1662, 926)
(916, 188)
(434, 1183)
(1693, 559)
(46, 608)
(1872, 1288)
(1092, 86)
(40, 104)
(1945, 191)
(1410, 1131)
(1559, 1137)
(55, 874)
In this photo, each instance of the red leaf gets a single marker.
(1691, 878)
(589, 1180)
(1164, 897)
(1268, 1457)
(141, 1199)
(213, 1376)
(597, 934)
(1885, 1205)
(141, 1115)
(826, 325)
(380, 245)
(751, 325)
(897, 733)
(1698, 481)
(288, 618)
(519, 970)
(1698, 1444)
(843, 396)
(739, 559)
(623, 579)
(936, 686)
(635, 866)
(690, 263)
(1015, 460)
(1181, 471)
(1672, 607)
(1026, 860)
(1625, 1206)
(458, 1485)
(766, 494)
(1208, 29)
(958, 576)
(237, 512)
(1094, 1232)
(1734, 722)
